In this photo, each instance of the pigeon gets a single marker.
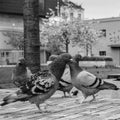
(39, 88)
(87, 82)
(65, 84)
(21, 73)
(77, 58)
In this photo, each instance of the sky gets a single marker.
(95, 9)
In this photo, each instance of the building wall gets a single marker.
(16, 6)
(77, 50)
(66, 13)
(71, 10)
(116, 56)
(104, 42)
(112, 27)
(7, 52)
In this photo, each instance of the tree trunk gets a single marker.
(31, 34)
(66, 47)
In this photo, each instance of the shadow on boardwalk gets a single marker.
(107, 107)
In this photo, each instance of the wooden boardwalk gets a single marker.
(106, 107)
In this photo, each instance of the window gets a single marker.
(79, 16)
(102, 53)
(21, 54)
(7, 54)
(102, 33)
(64, 16)
(71, 15)
(2, 54)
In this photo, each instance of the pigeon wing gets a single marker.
(87, 79)
(43, 85)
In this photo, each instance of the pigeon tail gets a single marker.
(107, 85)
(3, 104)
(14, 98)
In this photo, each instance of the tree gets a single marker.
(57, 35)
(51, 36)
(83, 34)
(15, 39)
(74, 31)
(31, 34)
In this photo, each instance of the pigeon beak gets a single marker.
(18, 63)
(49, 62)
(71, 60)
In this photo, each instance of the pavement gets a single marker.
(106, 107)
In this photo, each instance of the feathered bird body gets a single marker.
(87, 79)
(60, 65)
(44, 90)
(21, 73)
(65, 84)
(66, 75)
(36, 91)
(81, 81)
(87, 82)
(56, 68)
(40, 88)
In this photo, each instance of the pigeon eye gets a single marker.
(20, 63)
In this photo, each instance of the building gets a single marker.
(8, 54)
(11, 19)
(67, 11)
(16, 6)
(70, 10)
(108, 42)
